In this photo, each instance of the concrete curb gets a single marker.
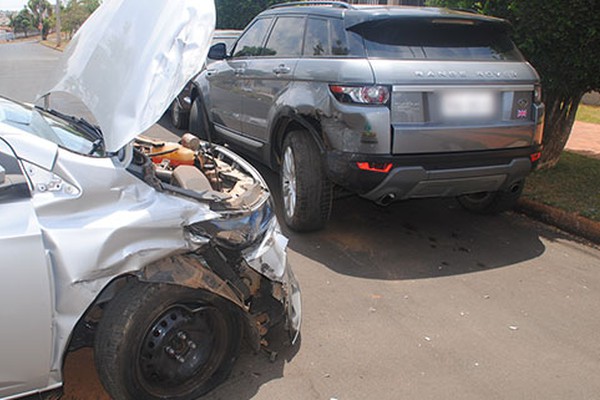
(566, 221)
(50, 46)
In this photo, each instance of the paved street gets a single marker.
(419, 300)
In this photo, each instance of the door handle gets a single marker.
(239, 71)
(282, 69)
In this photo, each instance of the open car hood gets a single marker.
(128, 70)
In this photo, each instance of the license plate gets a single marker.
(474, 104)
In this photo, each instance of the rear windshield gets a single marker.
(437, 41)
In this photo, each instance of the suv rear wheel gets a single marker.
(492, 202)
(305, 189)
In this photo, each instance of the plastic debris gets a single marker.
(513, 327)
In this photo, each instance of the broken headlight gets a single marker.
(236, 229)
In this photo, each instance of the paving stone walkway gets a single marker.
(585, 139)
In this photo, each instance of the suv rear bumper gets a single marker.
(430, 175)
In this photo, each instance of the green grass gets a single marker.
(586, 113)
(573, 185)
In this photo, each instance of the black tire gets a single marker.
(199, 124)
(161, 341)
(305, 191)
(492, 202)
(179, 117)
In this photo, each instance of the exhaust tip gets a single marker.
(387, 199)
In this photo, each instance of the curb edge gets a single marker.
(564, 220)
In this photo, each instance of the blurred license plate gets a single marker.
(475, 104)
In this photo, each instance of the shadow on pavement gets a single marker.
(415, 239)
(251, 370)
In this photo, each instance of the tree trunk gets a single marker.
(560, 116)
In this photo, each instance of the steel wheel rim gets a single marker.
(288, 181)
(180, 348)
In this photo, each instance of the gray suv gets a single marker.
(390, 103)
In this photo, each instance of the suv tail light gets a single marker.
(361, 94)
(537, 93)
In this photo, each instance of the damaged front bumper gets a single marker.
(240, 253)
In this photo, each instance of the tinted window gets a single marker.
(438, 41)
(339, 40)
(250, 44)
(329, 38)
(317, 38)
(286, 37)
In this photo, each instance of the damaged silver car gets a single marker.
(162, 256)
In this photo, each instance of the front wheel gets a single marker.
(161, 341)
(179, 118)
(305, 188)
(199, 124)
(492, 202)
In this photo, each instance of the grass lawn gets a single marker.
(573, 185)
(587, 113)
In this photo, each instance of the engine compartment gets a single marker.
(200, 170)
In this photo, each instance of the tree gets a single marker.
(41, 10)
(561, 40)
(75, 14)
(22, 21)
(235, 14)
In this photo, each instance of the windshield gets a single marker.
(438, 40)
(49, 127)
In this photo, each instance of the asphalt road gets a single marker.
(419, 300)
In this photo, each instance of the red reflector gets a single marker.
(535, 156)
(375, 167)
(336, 89)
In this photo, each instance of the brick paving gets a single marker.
(585, 139)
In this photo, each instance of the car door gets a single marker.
(25, 293)
(224, 78)
(267, 76)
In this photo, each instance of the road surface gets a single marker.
(420, 300)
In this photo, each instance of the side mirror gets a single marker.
(218, 51)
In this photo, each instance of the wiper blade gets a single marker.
(80, 122)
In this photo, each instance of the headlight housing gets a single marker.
(236, 229)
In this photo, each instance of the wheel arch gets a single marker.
(180, 270)
(289, 120)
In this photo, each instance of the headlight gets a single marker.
(237, 229)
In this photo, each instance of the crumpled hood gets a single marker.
(131, 58)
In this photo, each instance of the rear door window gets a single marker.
(328, 37)
(286, 38)
(438, 41)
(251, 42)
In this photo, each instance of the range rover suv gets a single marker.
(390, 103)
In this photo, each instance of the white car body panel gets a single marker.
(128, 73)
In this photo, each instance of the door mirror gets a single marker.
(218, 52)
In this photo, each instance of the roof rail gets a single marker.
(339, 4)
(467, 10)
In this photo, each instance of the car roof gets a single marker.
(358, 14)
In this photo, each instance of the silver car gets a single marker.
(161, 267)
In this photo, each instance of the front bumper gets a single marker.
(431, 175)
(269, 258)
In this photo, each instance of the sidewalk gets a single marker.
(585, 139)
